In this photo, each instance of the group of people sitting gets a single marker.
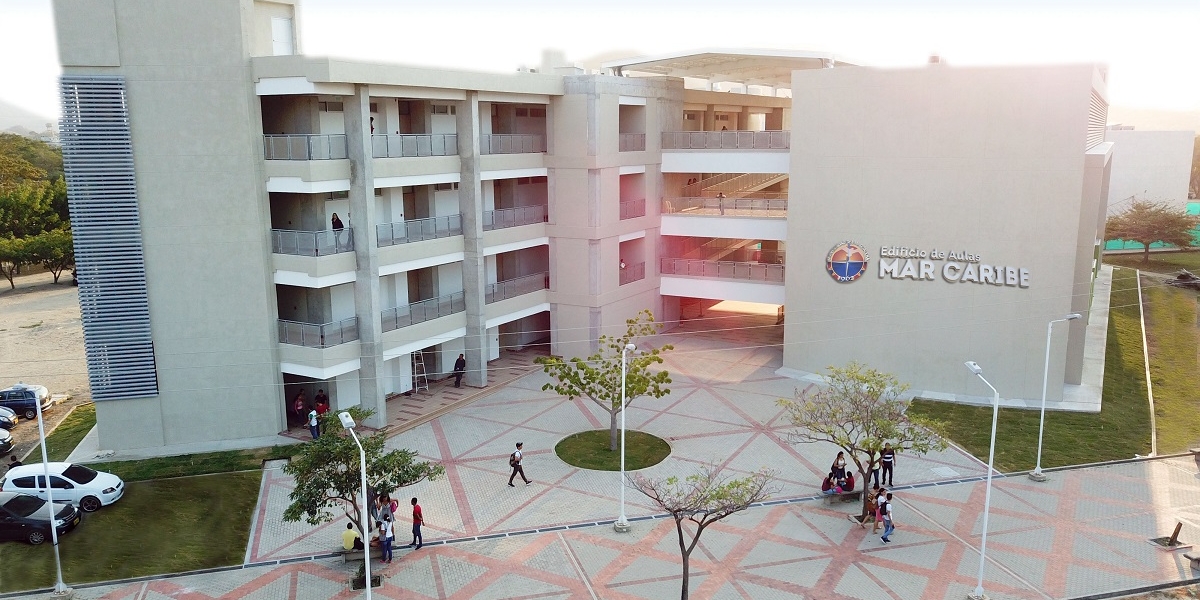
(839, 479)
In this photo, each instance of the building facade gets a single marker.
(1154, 166)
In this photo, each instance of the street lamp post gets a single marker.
(987, 497)
(60, 588)
(348, 423)
(622, 524)
(1037, 475)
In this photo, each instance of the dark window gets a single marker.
(59, 483)
(23, 506)
(79, 474)
(23, 482)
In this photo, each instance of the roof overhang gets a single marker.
(748, 66)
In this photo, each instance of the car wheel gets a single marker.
(90, 504)
(37, 537)
(30, 414)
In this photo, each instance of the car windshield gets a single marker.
(23, 506)
(79, 474)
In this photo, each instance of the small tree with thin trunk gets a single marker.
(701, 499)
(598, 377)
(1149, 222)
(858, 409)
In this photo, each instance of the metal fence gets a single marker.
(632, 273)
(312, 243)
(721, 269)
(633, 208)
(403, 232)
(764, 207)
(511, 143)
(304, 146)
(403, 145)
(318, 336)
(425, 310)
(631, 142)
(513, 217)
(519, 286)
(726, 140)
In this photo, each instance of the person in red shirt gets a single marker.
(418, 520)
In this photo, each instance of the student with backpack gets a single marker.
(885, 509)
(514, 461)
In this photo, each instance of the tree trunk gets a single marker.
(1146, 253)
(613, 431)
(683, 588)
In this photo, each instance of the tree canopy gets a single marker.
(1148, 222)
(34, 226)
(598, 377)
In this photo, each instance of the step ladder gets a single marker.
(420, 379)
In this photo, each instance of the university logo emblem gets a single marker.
(846, 262)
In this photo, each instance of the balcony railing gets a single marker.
(511, 143)
(425, 310)
(311, 335)
(503, 290)
(721, 269)
(405, 145)
(756, 207)
(304, 146)
(312, 243)
(632, 273)
(631, 142)
(416, 230)
(726, 140)
(513, 217)
(633, 208)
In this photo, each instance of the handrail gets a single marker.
(403, 145)
(504, 218)
(511, 143)
(631, 142)
(425, 310)
(312, 335)
(304, 146)
(312, 243)
(416, 230)
(632, 273)
(726, 206)
(695, 189)
(631, 209)
(721, 269)
(726, 140)
(517, 286)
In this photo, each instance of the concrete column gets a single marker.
(744, 119)
(775, 120)
(366, 281)
(474, 271)
(710, 118)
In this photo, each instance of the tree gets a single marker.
(701, 499)
(54, 249)
(858, 409)
(1149, 222)
(13, 254)
(27, 208)
(327, 473)
(598, 377)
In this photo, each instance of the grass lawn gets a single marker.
(196, 464)
(64, 438)
(1160, 262)
(1172, 336)
(158, 527)
(1121, 430)
(589, 450)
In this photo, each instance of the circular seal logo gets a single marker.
(846, 262)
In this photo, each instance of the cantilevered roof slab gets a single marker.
(748, 66)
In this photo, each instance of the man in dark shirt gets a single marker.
(460, 367)
(887, 459)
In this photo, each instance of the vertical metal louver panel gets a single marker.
(98, 161)
(1097, 121)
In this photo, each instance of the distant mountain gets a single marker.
(13, 116)
(1155, 120)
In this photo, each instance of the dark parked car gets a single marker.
(23, 399)
(6, 442)
(8, 418)
(27, 518)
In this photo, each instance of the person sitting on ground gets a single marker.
(830, 487)
(350, 538)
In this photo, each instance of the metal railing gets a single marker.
(511, 143)
(425, 310)
(726, 140)
(312, 335)
(403, 145)
(633, 208)
(304, 146)
(631, 142)
(416, 230)
(721, 269)
(759, 207)
(513, 217)
(312, 243)
(519, 286)
(632, 273)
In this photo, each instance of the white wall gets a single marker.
(734, 161)
(345, 388)
(341, 299)
(1149, 165)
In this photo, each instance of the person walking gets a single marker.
(460, 367)
(386, 535)
(721, 202)
(888, 525)
(418, 520)
(514, 461)
(338, 226)
(887, 459)
(878, 496)
(298, 406)
(313, 424)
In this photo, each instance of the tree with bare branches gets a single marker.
(701, 499)
(858, 409)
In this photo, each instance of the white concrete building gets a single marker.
(1149, 165)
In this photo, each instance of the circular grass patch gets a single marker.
(589, 450)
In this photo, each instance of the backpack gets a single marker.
(512, 459)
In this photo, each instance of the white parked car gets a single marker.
(71, 483)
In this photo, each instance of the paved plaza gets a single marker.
(1082, 533)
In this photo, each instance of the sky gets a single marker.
(1150, 46)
